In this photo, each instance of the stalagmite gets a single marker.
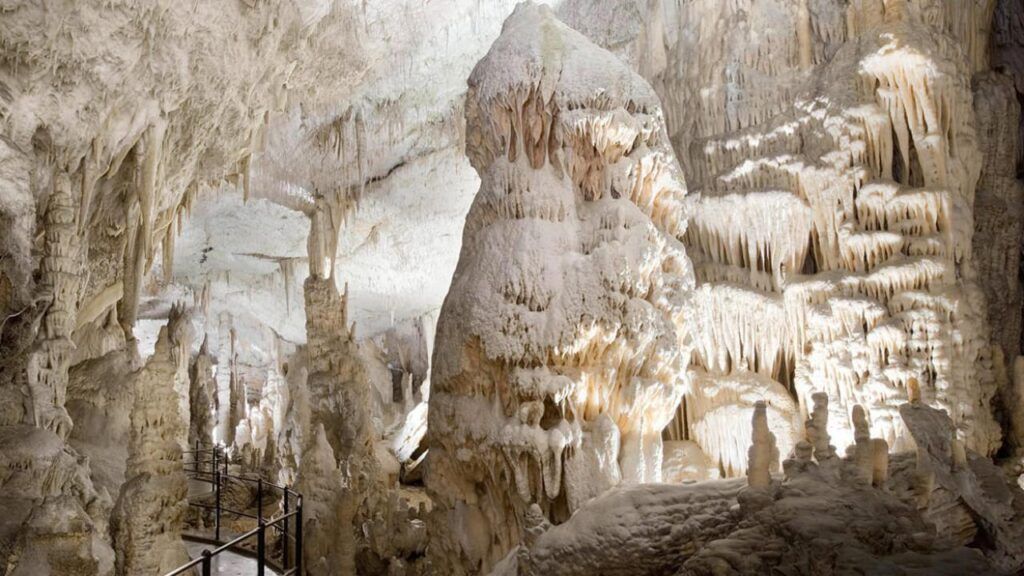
(763, 454)
(48, 362)
(879, 462)
(817, 429)
(863, 447)
(150, 511)
(560, 344)
(201, 385)
(347, 480)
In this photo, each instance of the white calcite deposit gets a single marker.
(559, 287)
(560, 353)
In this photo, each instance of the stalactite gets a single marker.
(854, 130)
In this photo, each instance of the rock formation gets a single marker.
(201, 385)
(622, 359)
(339, 472)
(113, 117)
(855, 131)
(820, 519)
(560, 342)
(150, 512)
(54, 521)
(763, 455)
(101, 392)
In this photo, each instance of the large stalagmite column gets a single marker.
(339, 474)
(150, 511)
(560, 355)
(201, 387)
(61, 272)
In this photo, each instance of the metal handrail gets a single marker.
(217, 477)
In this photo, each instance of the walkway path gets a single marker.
(226, 563)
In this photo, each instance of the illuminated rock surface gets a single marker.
(590, 286)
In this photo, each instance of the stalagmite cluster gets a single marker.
(821, 517)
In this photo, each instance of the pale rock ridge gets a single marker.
(561, 352)
(150, 512)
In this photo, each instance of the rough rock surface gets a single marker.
(855, 219)
(201, 385)
(150, 512)
(560, 355)
(820, 518)
(343, 468)
(53, 520)
(855, 131)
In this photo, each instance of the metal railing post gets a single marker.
(216, 489)
(261, 548)
(213, 465)
(207, 571)
(298, 536)
(284, 533)
(259, 499)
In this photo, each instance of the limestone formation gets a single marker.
(566, 305)
(879, 462)
(944, 465)
(763, 455)
(816, 521)
(201, 385)
(54, 521)
(855, 131)
(622, 358)
(817, 429)
(343, 474)
(863, 449)
(150, 512)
